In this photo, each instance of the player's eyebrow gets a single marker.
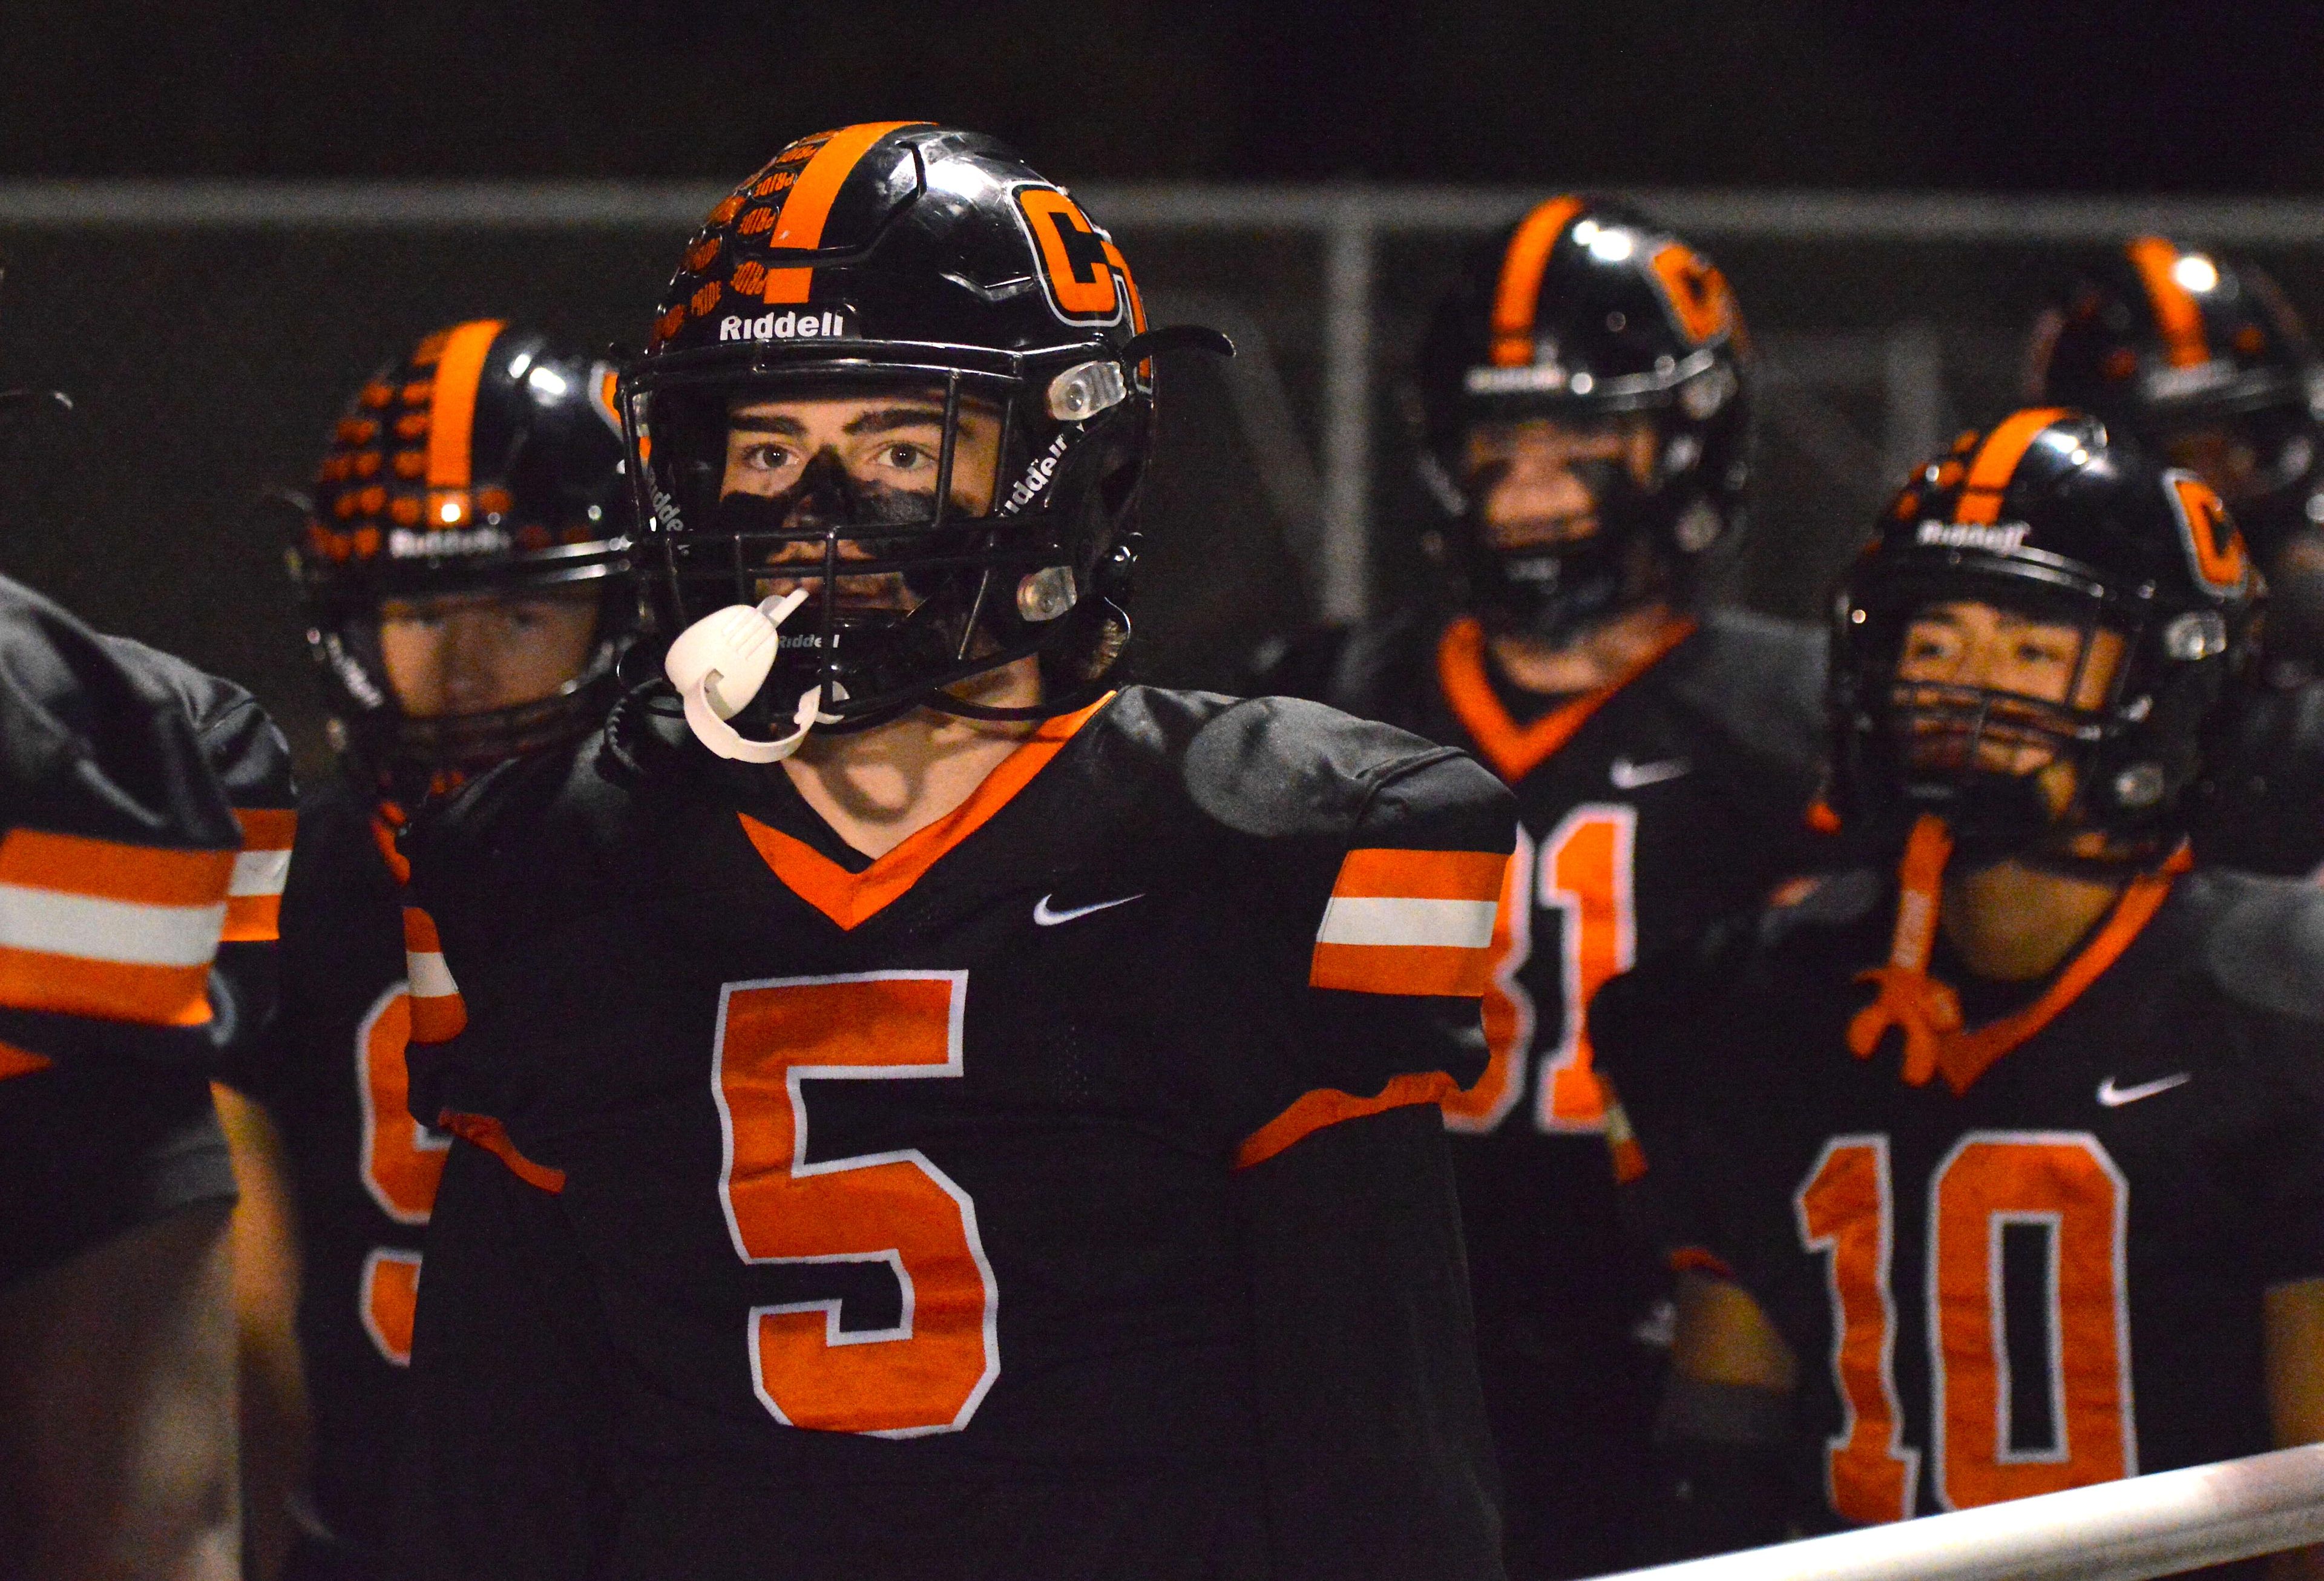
(765, 422)
(888, 419)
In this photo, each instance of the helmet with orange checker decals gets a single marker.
(2048, 517)
(1587, 311)
(2206, 364)
(487, 461)
(930, 265)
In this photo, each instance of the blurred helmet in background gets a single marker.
(2203, 362)
(1591, 317)
(2050, 521)
(927, 283)
(481, 472)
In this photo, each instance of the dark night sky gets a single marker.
(2018, 95)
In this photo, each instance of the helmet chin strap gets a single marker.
(719, 663)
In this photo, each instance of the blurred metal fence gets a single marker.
(209, 329)
(2165, 1524)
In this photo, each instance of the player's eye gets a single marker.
(767, 458)
(903, 456)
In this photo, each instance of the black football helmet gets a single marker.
(912, 259)
(2205, 364)
(2043, 515)
(487, 460)
(1584, 311)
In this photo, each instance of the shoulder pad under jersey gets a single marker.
(244, 746)
(1761, 681)
(2265, 947)
(1283, 768)
(90, 745)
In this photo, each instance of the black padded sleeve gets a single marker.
(1377, 1455)
(97, 751)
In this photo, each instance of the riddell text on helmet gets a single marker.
(828, 325)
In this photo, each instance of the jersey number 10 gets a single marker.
(2062, 1189)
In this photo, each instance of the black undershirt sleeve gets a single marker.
(1375, 1447)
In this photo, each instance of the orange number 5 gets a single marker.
(929, 1373)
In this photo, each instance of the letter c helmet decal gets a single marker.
(1077, 273)
(2215, 548)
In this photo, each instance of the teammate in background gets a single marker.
(119, 855)
(2204, 362)
(463, 580)
(1586, 395)
(922, 1112)
(2003, 1173)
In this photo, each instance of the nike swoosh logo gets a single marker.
(1628, 776)
(1045, 916)
(2115, 1097)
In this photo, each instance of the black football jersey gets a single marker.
(332, 1074)
(2050, 1278)
(1644, 814)
(892, 1211)
(117, 852)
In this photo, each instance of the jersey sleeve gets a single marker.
(118, 856)
(1393, 957)
(252, 762)
(1371, 1423)
(510, 1473)
(1655, 1031)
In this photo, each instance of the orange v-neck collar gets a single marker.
(1966, 1055)
(1517, 750)
(850, 899)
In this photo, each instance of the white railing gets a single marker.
(1348, 221)
(2146, 1526)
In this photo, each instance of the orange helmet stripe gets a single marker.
(1996, 462)
(452, 409)
(2175, 308)
(808, 204)
(1519, 297)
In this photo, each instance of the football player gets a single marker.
(922, 1109)
(2000, 1169)
(2203, 360)
(462, 577)
(1585, 390)
(120, 860)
